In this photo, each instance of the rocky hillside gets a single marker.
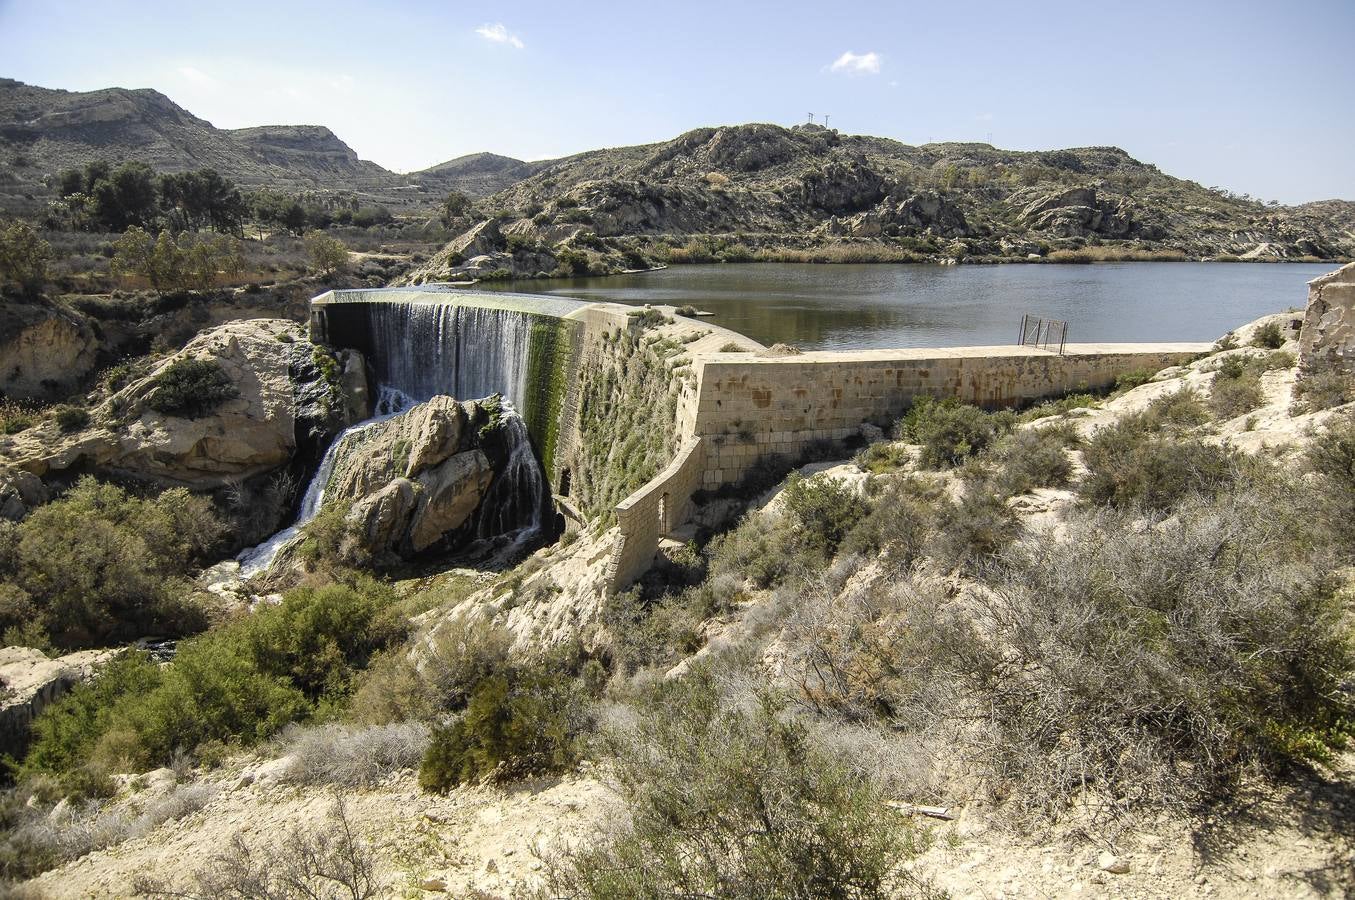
(762, 191)
(43, 131)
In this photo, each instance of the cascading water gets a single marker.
(419, 350)
(257, 559)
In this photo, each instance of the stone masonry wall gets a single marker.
(750, 407)
(659, 506)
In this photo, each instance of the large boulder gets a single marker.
(925, 212)
(1078, 212)
(282, 393)
(1327, 338)
(46, 351)
(20, 492)
(415, 481)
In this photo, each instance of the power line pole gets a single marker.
(811, 118)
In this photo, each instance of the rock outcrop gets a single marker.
(46, 351)
(286, 393)
(416, 481)
(1327, 339)
(31, 680)
(20, 492)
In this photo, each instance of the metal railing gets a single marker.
(1047, 334)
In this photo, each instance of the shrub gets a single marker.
(1155, 665)
(897, 523)
(1129, 464)
(191, 388)
(1323, 386)
(517, 724)
(424, 682)
(1033, 457)
(648, 318)
(1231, 395)
(328, 255)
(972, 529)
(758, 550)
(23, 257)
(882, 457)
(100, 563)
(14, 418)
(240, 682)
(1130, 380)
(736, 804)
(949, 431)
(1269, 336)
(824, 510)
(1057, 407)
(71, 418)
(329, 860)
(354, 756)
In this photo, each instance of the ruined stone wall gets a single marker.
(1327, 339)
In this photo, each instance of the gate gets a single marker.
(1047, 334)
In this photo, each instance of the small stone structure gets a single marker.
(1327, 339)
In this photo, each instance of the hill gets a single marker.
(43, 131)
(766, 192)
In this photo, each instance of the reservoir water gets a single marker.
(840, 307)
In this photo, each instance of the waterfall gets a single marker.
(422, 349)
(516, 497)
(254, 560)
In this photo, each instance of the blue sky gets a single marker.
(1250, 96)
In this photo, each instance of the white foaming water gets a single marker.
(254, 560)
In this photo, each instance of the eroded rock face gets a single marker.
(415, 479)
(31, 681)
(925, 212)
(287, 392)
(20, 492)
(1078, 212)
(45, 351)
(1327, 339)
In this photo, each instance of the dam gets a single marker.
(632, 410)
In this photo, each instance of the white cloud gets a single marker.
(857, 63)
(498, 34)
(197, 76)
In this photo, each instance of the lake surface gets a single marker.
(840, 307)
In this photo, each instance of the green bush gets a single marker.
(1323, 386)
(882, 457)
(517, 724)
(897, 523)
(949, 431)
(101, 564)
(824, 510)
(737, 804)
(239, 683)
(71, 418)
(1030, 458)
(1129, 464)
(971, 529)
(1231, 396)
(1269, 336)
(191, 388)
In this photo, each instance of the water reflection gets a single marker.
(837, 307)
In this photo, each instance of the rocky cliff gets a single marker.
(762, 191)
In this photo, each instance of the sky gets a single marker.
(1250, 96)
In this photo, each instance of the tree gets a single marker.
(328, 255)
(203, 198)
(23, 257)
(111, 198)
(170, 264)
(455, 206)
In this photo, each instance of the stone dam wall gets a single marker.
(646, 413)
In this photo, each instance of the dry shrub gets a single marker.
(740, 803)
(1154, 665)
(323, 862)
(354, 756)
(422, 681)
(1032, 458)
